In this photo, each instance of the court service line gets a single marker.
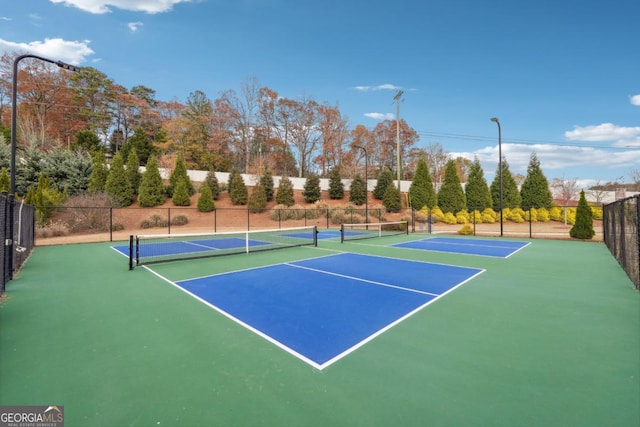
(373, 282)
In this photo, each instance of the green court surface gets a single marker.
(547, 337)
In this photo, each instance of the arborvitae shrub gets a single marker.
(357, 191)
(311, 190)
(384, 179)
(117, 186)
(336, 187)
(212, 182)
(205, 201)
(238, 192)
(392, 199)
(583, 226)
(181, 194)
(284, 195)
(180, 173)
(258, 199)
(267, 182)
(151, 190)
(133, 171)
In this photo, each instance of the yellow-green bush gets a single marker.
(543, 215)
(515, 216)
(556, 214)
(571, 216)
(489, 216)
(597, 212)
(476, 217)
(531, 215)
(466, 230)
(437, 215)
(462, 217)
(449, 218)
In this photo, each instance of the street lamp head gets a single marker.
(67, 66)
(495, 119)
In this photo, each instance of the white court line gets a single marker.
(362, 280)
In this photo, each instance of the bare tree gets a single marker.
(564, 190)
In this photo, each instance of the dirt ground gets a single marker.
(236, 218)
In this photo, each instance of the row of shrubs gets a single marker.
(517, 215)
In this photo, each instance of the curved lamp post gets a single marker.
(366, 182)
(14, 114)
(495, 119)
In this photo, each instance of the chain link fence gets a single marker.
(17, 234)
(622, 234)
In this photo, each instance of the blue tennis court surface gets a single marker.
(322, 309)
(483, 247)
(175, 247)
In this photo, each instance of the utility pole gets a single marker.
(397, 98)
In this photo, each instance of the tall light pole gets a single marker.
(495, 119)
(397, 98)
(14, 114)
(14, 107)
(366, 182)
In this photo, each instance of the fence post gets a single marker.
(111, 224)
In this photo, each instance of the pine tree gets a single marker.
(180, 173)
(384, 179)
(181, 194)
(151, 190)
(357, 191)
(535, 191)
(336, 187)
(205, 201)
(421, 192)
(284, 195)
(99, 173)
(510, 194)
(267, 183)
(392, 199)
(258, 199)
(211, 181)
(237, 189)
(133, 171)
(583, 227)
(118, 187)
(311, 190)
(451, 197)
(477, 190)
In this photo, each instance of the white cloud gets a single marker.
(380, 116)
(72, 52)
(635, 100)
(134, 26)
(104, 6)
(386, 86)
(5, 18)
(620, 136)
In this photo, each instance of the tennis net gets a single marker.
(154, 248)
(372, 230)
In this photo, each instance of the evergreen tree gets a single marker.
(181, 194)
(142, 144)
(118, 187)
(451, 196)
(211, 181)
(237, 189)
(535, 191)
(99, 173)
(311, 191)
(336, 187)
(392, 199)
(87, 140)
(258, 199)
(151, 190)
(510, 194)
(180, 173)
(357, 191)
(5, 181)
(421, 192)
(205, 201)
(583, 227)
(477, 190)
(284, 195)
(267, 183)
(133, 171)
(384, 179)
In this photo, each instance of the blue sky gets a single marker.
(562, 76)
